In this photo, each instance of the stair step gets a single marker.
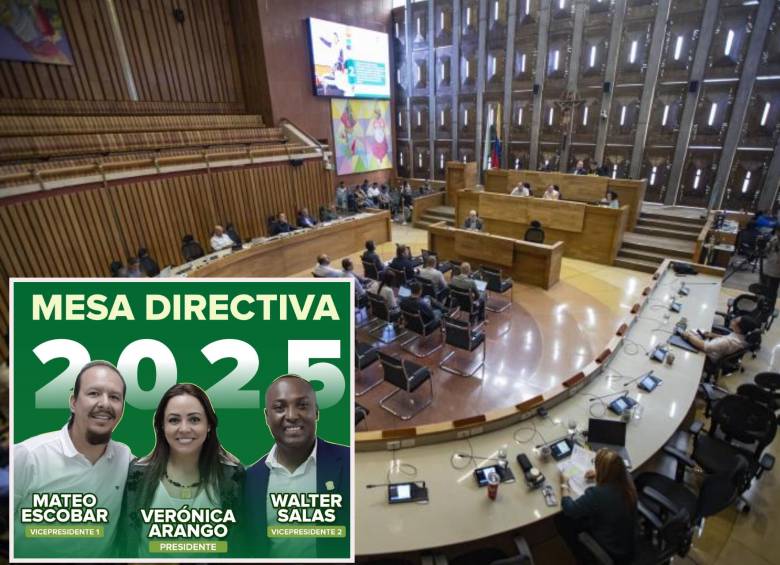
(442, 211)
(429, 214)
(642, 255)
(636, 265)
(670, 225)
(658, 248)
(672, 218)
(660, 232)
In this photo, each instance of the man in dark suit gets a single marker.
(299, 462)
(430, 310)
(281, 225)
(403, 261)
(305, 220)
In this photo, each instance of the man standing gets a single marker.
(299, 462)
(81, 457)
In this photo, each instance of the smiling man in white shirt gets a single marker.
(79, 458)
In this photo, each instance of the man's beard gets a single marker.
(94, 438)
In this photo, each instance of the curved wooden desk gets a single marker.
(532, 263)
(287, 254)
(458, 510)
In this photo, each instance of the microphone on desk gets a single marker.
(606, 395)
(420, 483)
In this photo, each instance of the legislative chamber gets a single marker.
(550, 234)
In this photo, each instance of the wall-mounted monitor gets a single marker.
(348, 62)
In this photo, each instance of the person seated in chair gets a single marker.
(281, 225)
(523, 189)
(473, 222)
(430, 310)
(580, 168)
(148, 265)
(384, 289)
(134, 268)
(220, 240)
(328, 213)
(232, 233)
(383, 199)
(552, 193)
(716, 346)
(323, 268)
(431, 273)
(348, 270)
(306, 220)
(464, 282)
(610, 199)
(371, 256)
(403, 261)
(607, 510)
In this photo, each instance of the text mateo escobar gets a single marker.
(158, 307)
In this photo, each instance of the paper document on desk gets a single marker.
(575, 467)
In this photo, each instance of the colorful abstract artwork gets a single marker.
(362, 135)
(32, 31)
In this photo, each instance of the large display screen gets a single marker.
(349, 62)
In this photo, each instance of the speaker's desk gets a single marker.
(458, 510)
(532, 263)
(286, 254)
(591, 233)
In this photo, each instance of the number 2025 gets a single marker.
(225, 393)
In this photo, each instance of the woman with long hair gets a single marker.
(607, 510)
(188, 466)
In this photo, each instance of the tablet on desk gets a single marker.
(481, 474)
(404, 292)
(481, 285)
(407, 492)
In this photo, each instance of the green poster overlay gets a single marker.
(254, 331)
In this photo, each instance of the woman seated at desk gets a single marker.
(606, 510)
(384, 289)
(552, 193)
(610, 199)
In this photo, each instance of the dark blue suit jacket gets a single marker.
(333, 465)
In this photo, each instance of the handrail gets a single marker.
(305, 134)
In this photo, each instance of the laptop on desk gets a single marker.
(481, 285)
(610, 434)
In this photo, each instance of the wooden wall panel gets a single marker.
(190, 67)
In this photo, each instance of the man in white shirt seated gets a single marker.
(220, 240)
(323, 268)
(717, 346)
(373, 193)
(523, 189)
(80, 457)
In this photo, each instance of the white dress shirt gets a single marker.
(50, 463)
(280, 480)
(221, 242)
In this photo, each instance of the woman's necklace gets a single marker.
(185, 491)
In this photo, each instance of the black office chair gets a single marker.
(739, 427)
(463, 300)
(361, 415)
(191, 249)
(429, 289)
(386, 331)
(407, 377)
(420, 345)
(465, 336)
(770, 382)
(661, 537)
(365, 355)
(370, 271)
(731, 363)
(499, 285)
(534, 235)
(399, 277)
(756, 305)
